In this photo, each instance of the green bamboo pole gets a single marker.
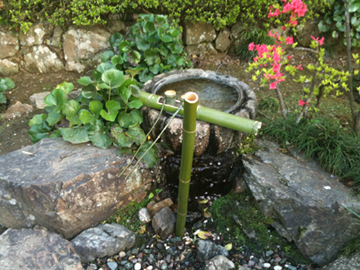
(187, 152)
(206, 114)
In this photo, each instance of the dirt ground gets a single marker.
(14, 133)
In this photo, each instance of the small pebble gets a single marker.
(137, 266)
(267, 265)
(122, 254)
(112, 265)
(277, 267)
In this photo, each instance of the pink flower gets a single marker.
(299, 67)
(321, 41)
(302, 103)
(289, 57)
(251, 46)
(273, 85)
(283, 28)
(289, 40)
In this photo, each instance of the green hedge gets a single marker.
(22, 13)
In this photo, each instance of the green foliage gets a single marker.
(241, 222)
(269, 103)
(248, 35)
(151, 48)
(105, 113)
(82, 12)
(248, 145)
(5, 84)
(324, 139)
(335, 20)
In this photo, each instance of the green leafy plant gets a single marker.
(151, 48)
(269, 103)
(5, 84)
(335, 20)
(105, 113)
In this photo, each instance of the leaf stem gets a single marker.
(137, 151)
(158, 137)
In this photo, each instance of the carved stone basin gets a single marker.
(217, 91)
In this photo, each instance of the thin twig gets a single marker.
(137, 151)
(171, 118)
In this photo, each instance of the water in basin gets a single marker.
(211, 93)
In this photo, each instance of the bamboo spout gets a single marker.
(187, 152)
(206, 114)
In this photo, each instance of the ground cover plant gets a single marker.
(21, 14)
(107, 110)
(5, 84)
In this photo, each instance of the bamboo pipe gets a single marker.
(205, 114)
(187, 152)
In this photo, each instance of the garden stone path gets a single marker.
(65, 187)
(305, 202)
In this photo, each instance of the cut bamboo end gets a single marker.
(191, 97)
(170, 93)
(257, 126)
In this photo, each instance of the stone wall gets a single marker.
(46, 48)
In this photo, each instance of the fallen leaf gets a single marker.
(228, 246)
(204, 201)
(203, 234)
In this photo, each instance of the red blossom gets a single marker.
(289, 40)
(273, 85)
(251, 46)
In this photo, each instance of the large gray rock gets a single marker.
(9, 44)
(344, 263)
(206, 250)
(42, 60)
(8, 68)
(64, 187)
(36, 250)
(201, 49)
(36, 34)
(83, 46)
(220, 262)
(304, 199)
(223, 41)
(198, 32)
(103, 240)
(305, 31)
(164, 222)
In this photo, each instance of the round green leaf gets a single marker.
(164, 36)
(124, 46)
(9, 83)
(155, 68)
(161, 19)
(39, 131)
(147, 17)
(66, 87)
(355, 6)
(135, 90)
(106, 56)
(37, 119)
(141, 43)
(179, 61)
(89, 91)
(56, 98)
(117, 60)
(87, 117)
(112, 105)
(120, 137)
(127, 119)
(136, 134)
(71, 110)
(99, 135)
(104, 66)
(75, 135)
(113, 77)
(174, 32)
(149, 27)
(85, 80)
(116, 39)
(135, 104)
(95, 107)
(134, 58)
(53, 118)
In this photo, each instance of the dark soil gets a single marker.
(14, 133)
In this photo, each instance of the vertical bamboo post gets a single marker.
(187, 152)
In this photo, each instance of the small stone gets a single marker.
(267, 265)
(128, 265)
(144, 215)
(112, 265)
(251, 263)
(91, 267)
(137, 266)
(277, 267)
(164, 266)
(269, 253)
(290, 267)
(122, 254)
(150, 267)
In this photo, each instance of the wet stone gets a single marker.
(151, 258)
(128, 265)
(269, 253)
(164, 266)
(112, 265)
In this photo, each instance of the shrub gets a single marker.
(83, 12)
(5, 84)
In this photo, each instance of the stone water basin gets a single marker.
(217, 91)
